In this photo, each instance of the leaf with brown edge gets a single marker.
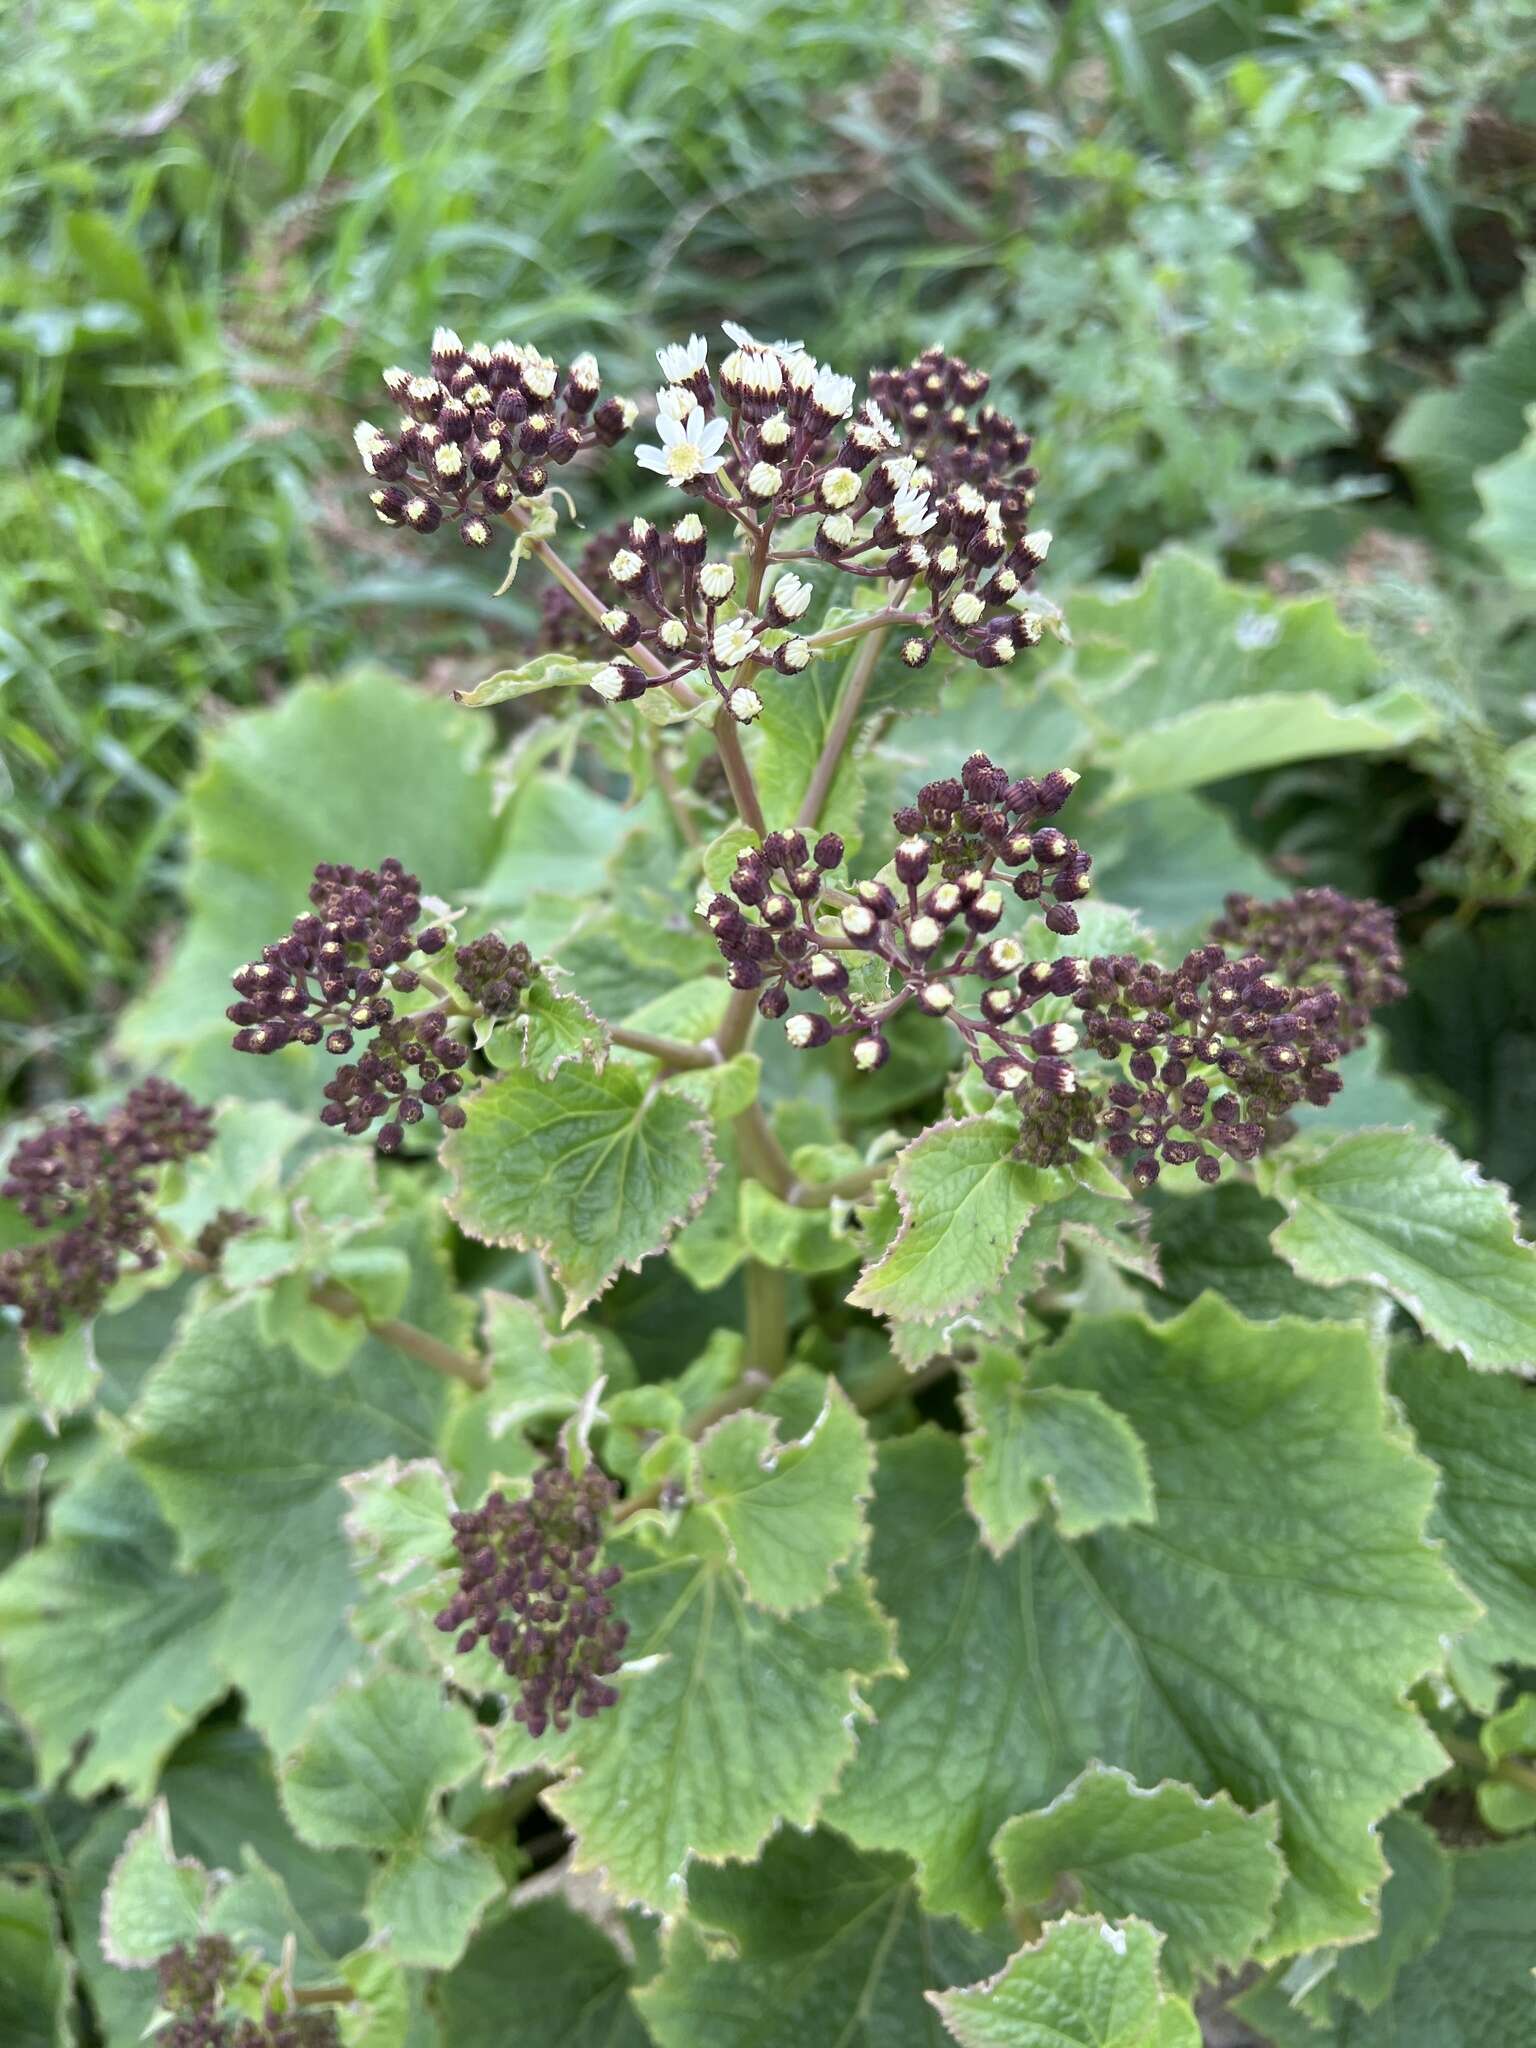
(597, 1172)
(965, 1200)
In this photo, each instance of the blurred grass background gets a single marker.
(1227, 258)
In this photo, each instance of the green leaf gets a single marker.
(535, 1376)
(1474, 1986)
(1414, 1903)
(106, 1642)
(1481, 1434)
(1202, 1871)
(828, 1943)
(62, 1372)
(708, 1250)
(1157, 857)
(791, 1513)
(241, 1170)
(1245, 733)
(724, 1090)
(1222, 1239)
(550, 1029)
(1508, 524)
(964, 1202)
(1449, 1254)
(732, 1719)
(804, 1240)
(1085, 1984)
(1443, 437)
(245, 1448)
(1257, 1639)
(36, 1981)
(1033, 1450)
(1508, 1804)
(369, 1774)
(559, 1975)
(1469, 1026)
(596, 1171)
(787, 741)
(154, 1898)
(1191, 679)
(398, 1523)
(550, 671)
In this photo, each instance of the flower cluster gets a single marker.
(494, 974)
(1215, 1054)
(89, 1185)
(478, 432)
(1319, 932)
(1202, 1061)
(193, 1982)
(325, 983)
(919, 488)
(531, 1588)
(774, 439)
(927, 933)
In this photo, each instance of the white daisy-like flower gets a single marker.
(733, 642)
(911, 512)
(626, 567)
(742, 339)
(795, 655)
(832, 394)
(584, 372)
(774, 431)
(608, 683)
(838, 530)
(368, 439)
(763, 480)
(801, 372)
(875, 418)
(1038, 545)
(967, 608)
(680, 359)
(839, 488)
(717, 580)
(791, 596)
(674, 403)
(689, 447)
(539, 380)
(757, 370)
(745, 704)
(672, 634)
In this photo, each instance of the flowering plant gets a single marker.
(852, 1346)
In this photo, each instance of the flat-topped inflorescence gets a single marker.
(90, 1184)
(1211, 1054)
(479, 432)
(532, 1589)
(917, 489)
(333, 980)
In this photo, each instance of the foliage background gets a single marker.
(1257, 276)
